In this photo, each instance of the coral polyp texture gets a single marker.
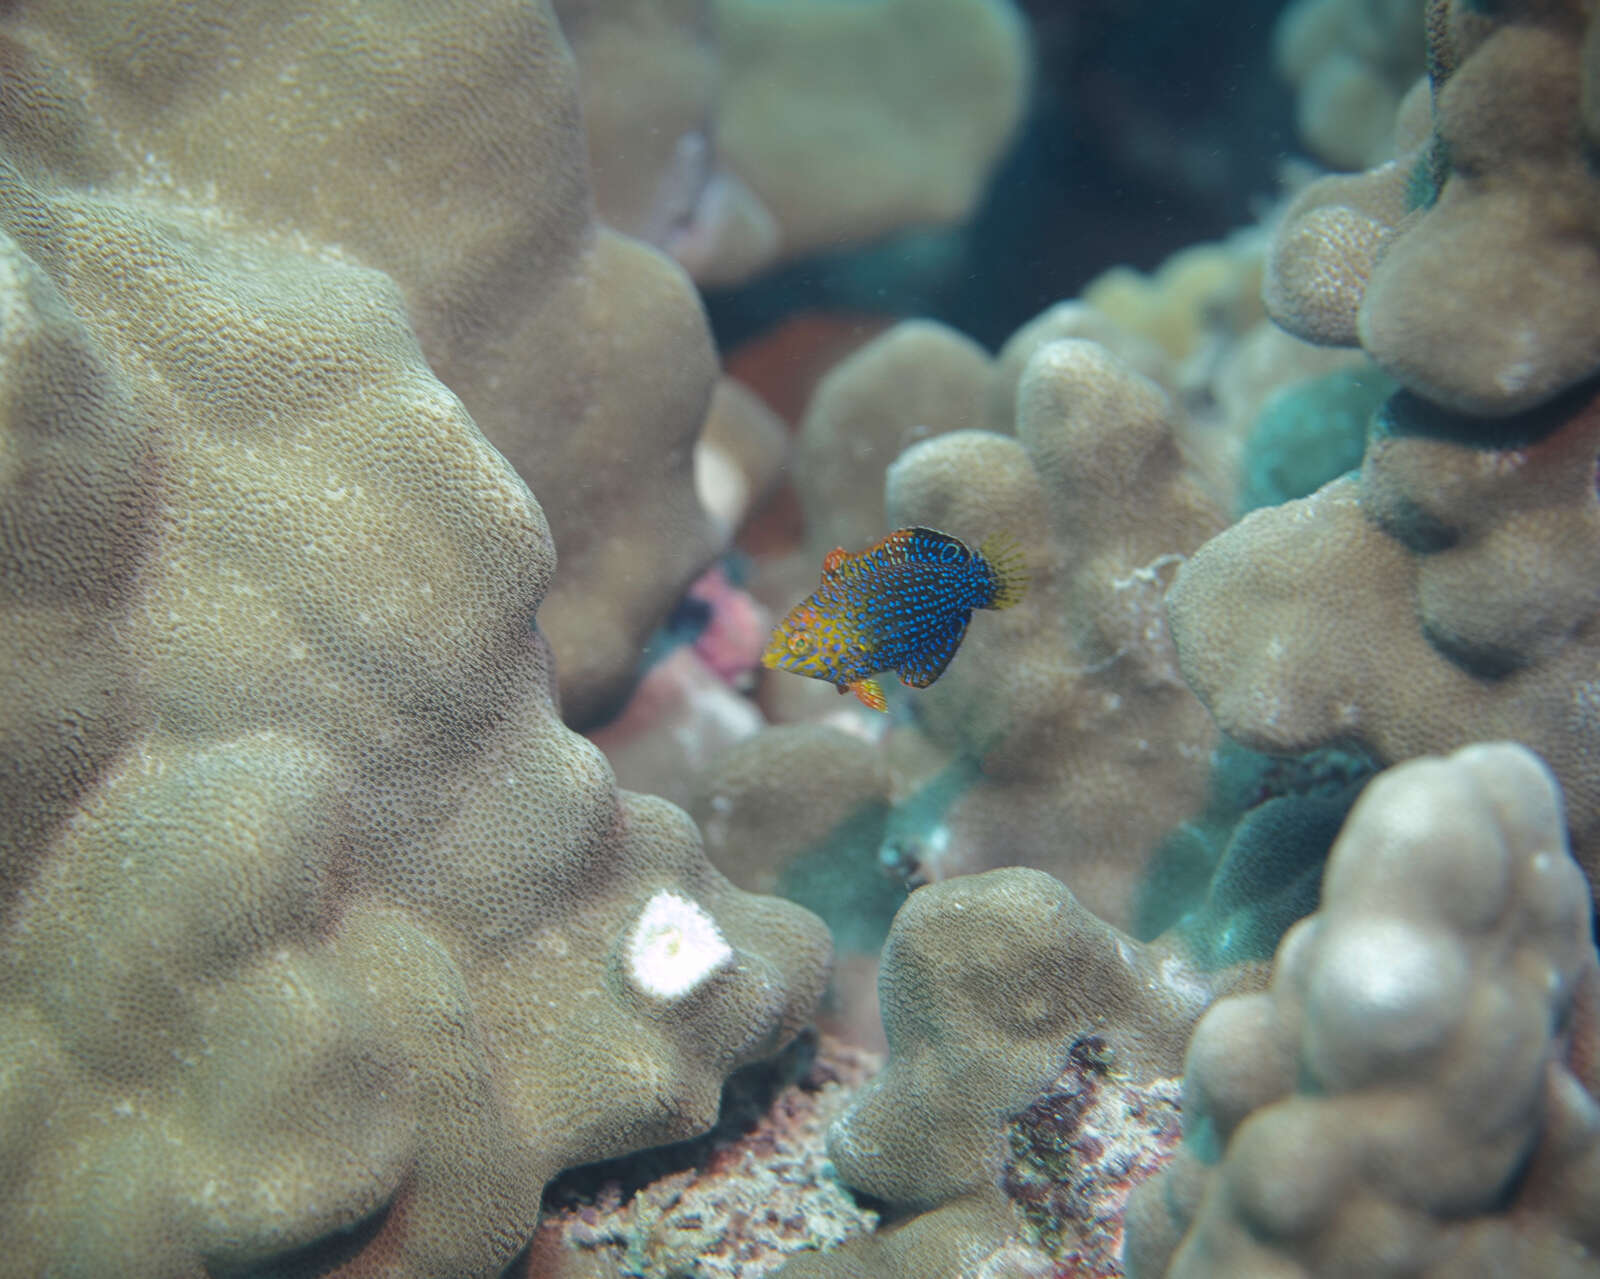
(448, 154)
(1413, 1095)
(1448, 594)
(323, 943)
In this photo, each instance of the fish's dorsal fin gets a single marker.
(935, 655)
(930, 546)
(831, 561)
(916, 545)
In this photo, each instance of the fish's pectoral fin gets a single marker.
(929, 664)
(831, 561)
(869, 693)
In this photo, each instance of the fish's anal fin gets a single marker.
(869, 693)
(929, 664)
(831, 561)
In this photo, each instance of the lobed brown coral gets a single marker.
(1087, 746)
(1468, 266)
(1061, 735)
(852, 120)
(1441, 596)
(449, 156)
(994, 986)
(1450, 593)
(1349, 64)
(323, 943)
(1412, 1096)
(1013, 960)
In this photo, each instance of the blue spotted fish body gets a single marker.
(901, 605)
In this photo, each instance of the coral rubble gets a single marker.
(750, 1194)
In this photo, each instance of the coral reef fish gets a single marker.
(901, 605)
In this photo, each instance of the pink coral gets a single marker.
(736, 631)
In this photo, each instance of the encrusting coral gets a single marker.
(1449, 594)
(325, 944)
(1412, 1095)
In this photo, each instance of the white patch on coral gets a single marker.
(721, 485)
(675, 946)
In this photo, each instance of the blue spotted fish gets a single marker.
(901, 605)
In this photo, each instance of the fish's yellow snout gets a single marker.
(788, 646)
(784, 646)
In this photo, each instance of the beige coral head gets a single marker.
(1488, 305)
(1469, 267)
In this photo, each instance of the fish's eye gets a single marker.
(799, 643)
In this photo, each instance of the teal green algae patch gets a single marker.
(843, 879)
(1310, 434)
(1232, 881)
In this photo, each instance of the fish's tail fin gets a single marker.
(1008, 570)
